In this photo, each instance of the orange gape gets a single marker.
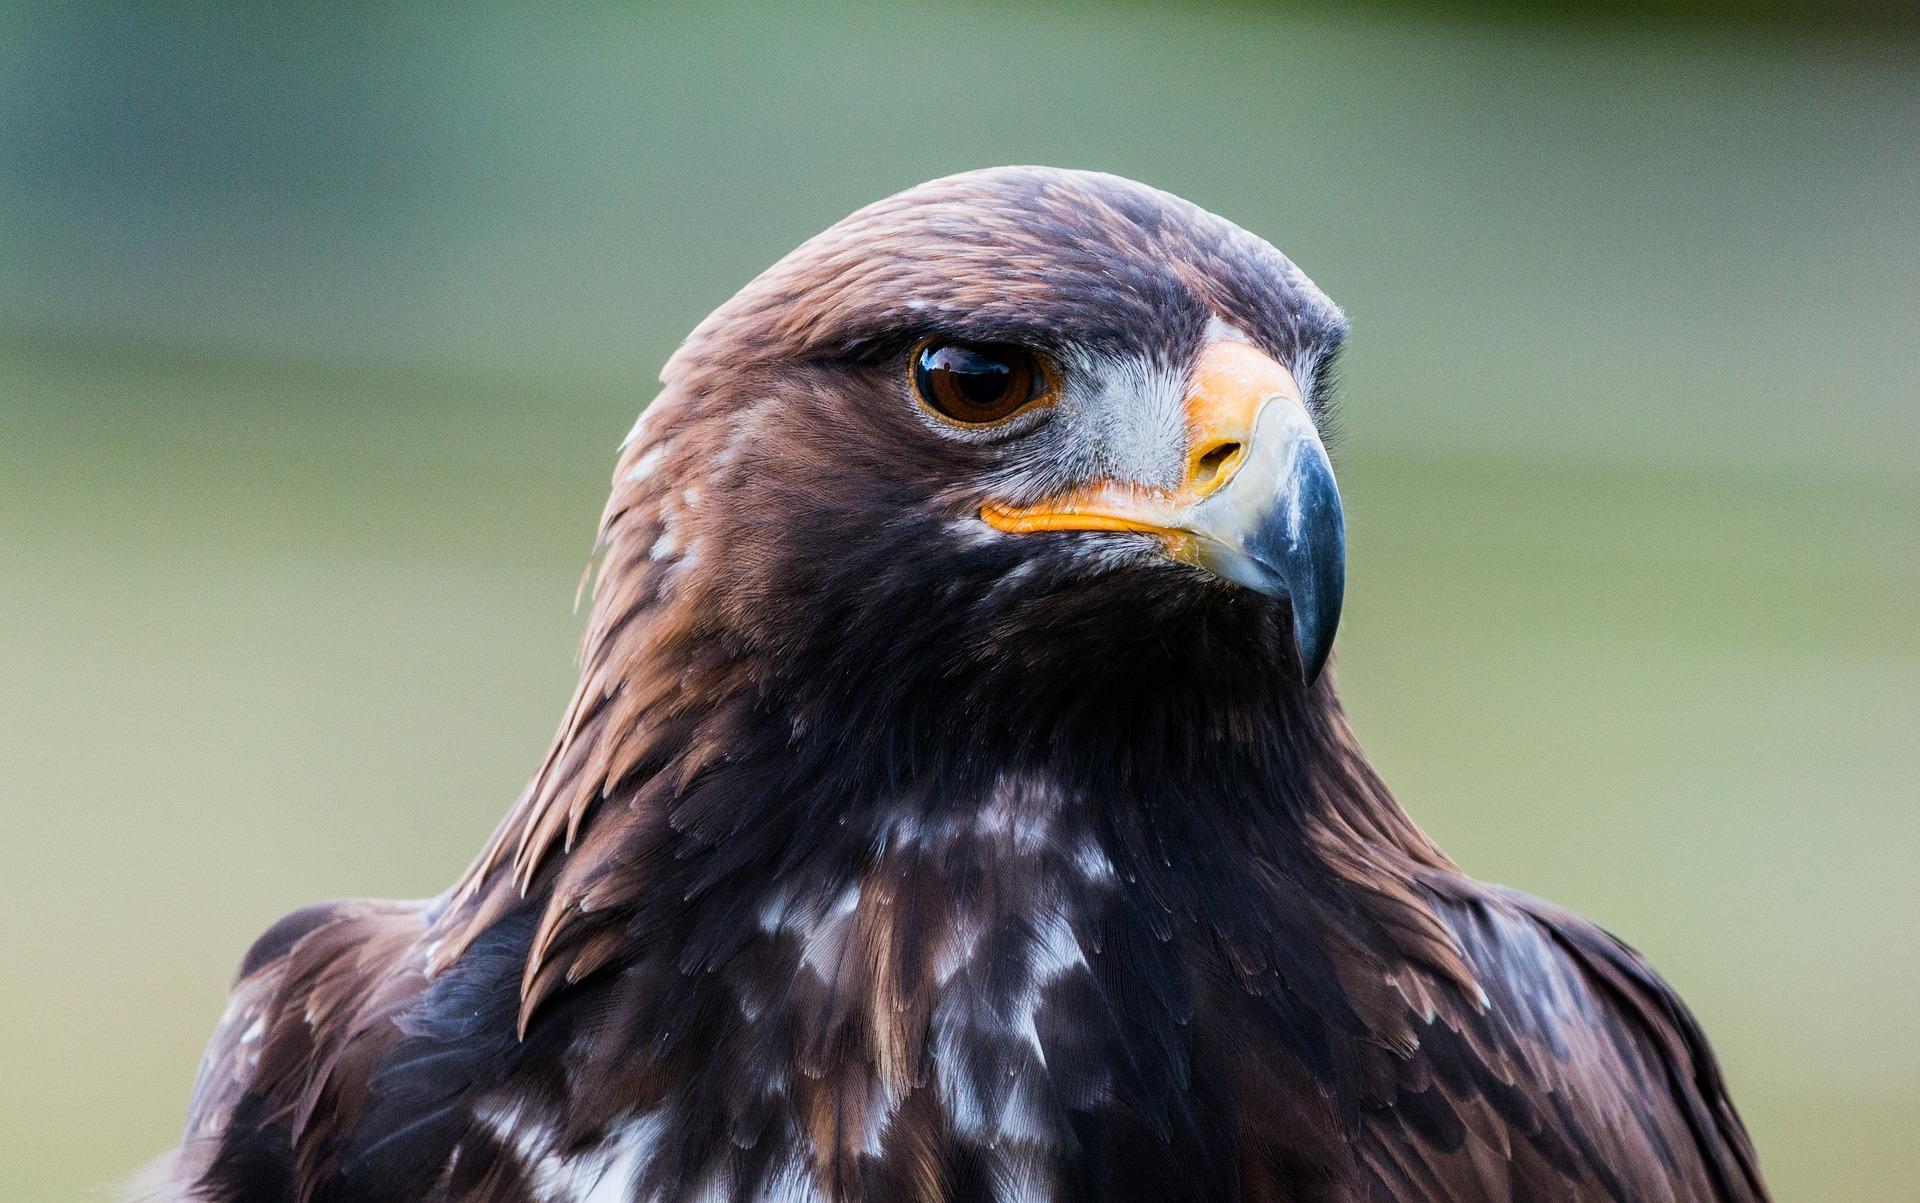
(1231, 381)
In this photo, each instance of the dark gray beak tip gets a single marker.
(1315, 621)
(1316, 568)
(1303, 542)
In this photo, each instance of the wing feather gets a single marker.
(1583, 1078)
(308, 1018)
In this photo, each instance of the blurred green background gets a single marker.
(318, 331)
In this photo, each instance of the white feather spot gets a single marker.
(648, 461)
(826, 938)
(640, 424)
(603, 1174)
(1056, 950)
(963, 940)
(881, 1105)
(1092, 861)
(1219, 330)
(631, 1150)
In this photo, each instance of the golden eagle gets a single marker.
(953, 806)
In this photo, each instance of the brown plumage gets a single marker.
(954, 810)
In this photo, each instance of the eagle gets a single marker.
(955, 805)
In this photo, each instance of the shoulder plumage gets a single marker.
(1582, 1076)
(1642, 1008)
(304, 1025)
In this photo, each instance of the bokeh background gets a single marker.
(318, 330)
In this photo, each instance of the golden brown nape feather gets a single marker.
(883, 855)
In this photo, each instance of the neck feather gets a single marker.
(703, 758)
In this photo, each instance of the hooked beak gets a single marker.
(1258, 505)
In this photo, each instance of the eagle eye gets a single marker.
(976, 384)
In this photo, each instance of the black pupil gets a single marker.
(976, 382)
(979, 377)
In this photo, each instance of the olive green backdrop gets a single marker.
(317, 335)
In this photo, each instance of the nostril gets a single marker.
(1208, 465)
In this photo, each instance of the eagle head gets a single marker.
(1002, 419)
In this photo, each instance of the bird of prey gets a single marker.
(955, 805)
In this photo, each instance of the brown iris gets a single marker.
(976, 384)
